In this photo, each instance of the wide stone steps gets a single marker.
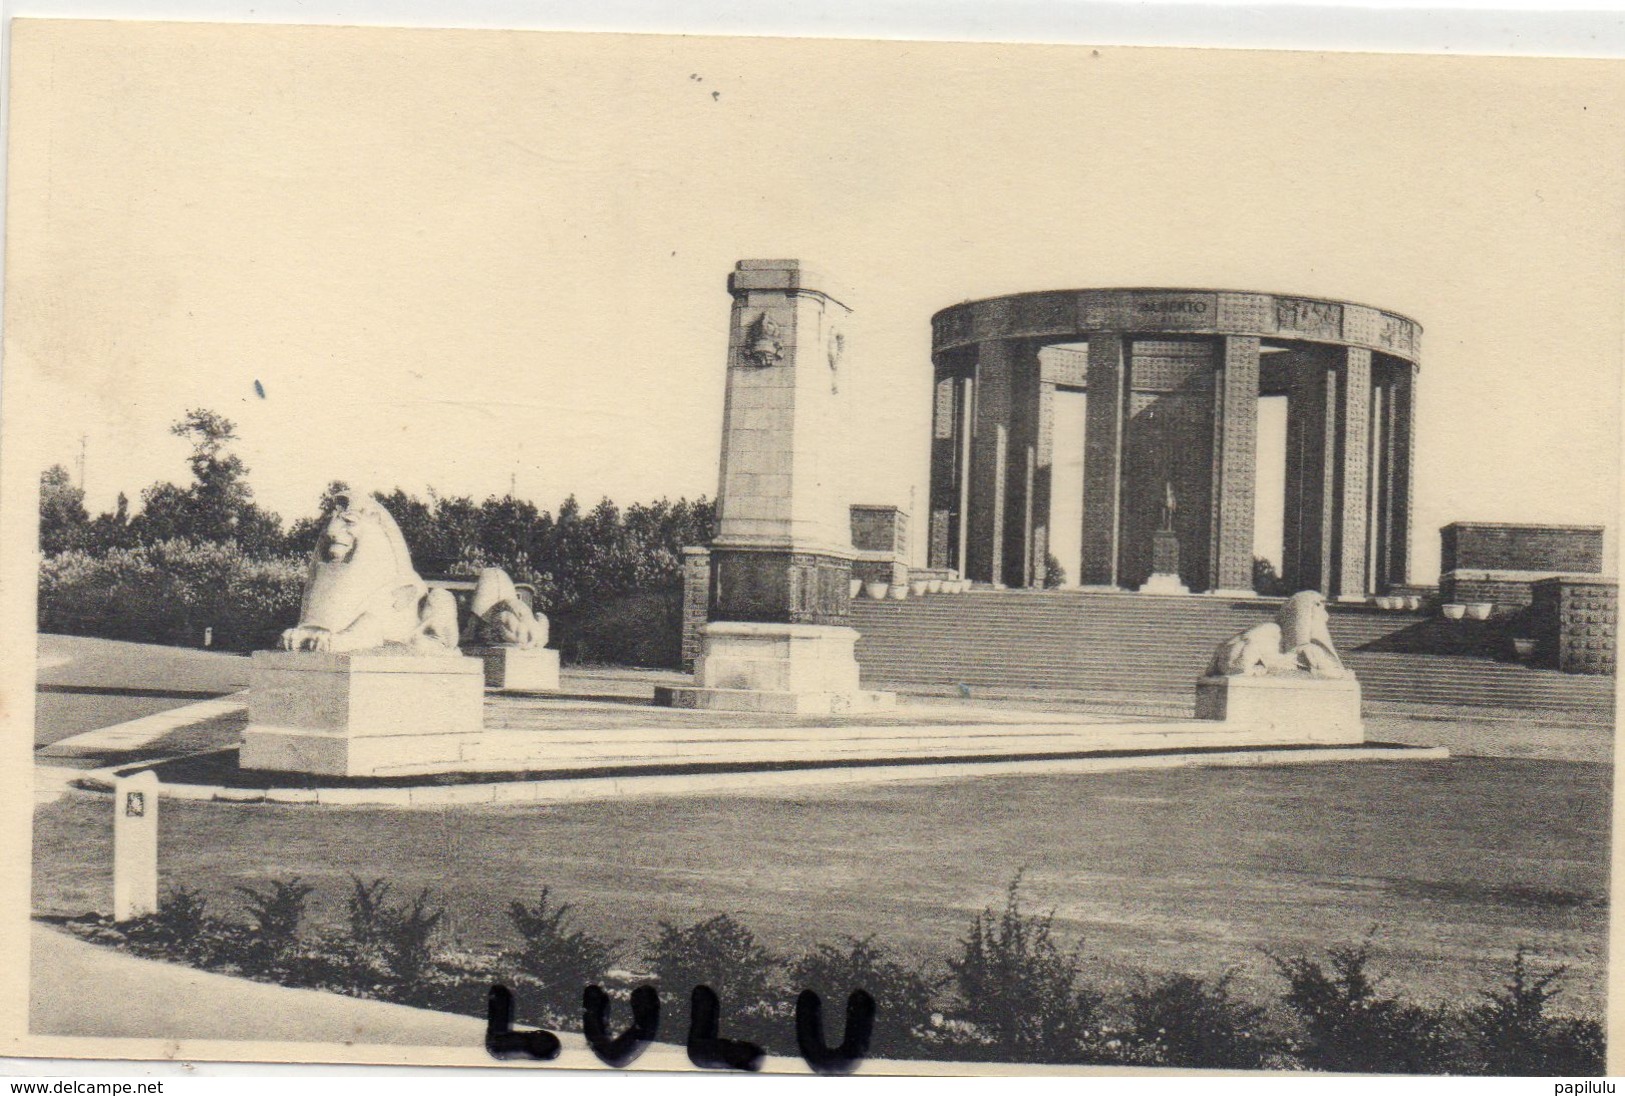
(1122, 643)
(665, 747)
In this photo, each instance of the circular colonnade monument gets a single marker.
(1172, 379)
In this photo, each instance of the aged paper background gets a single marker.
(444, 244)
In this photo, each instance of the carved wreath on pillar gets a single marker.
(764, 341)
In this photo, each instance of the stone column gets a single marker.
(1381, 416)
(1044, 479)
(967, 422)
(989, 464)
(944, 470)
(781, 562)
(1028, 473)
(1401, 461)
(1354, 477)
(1103, 459)
(1311, 409)
(1235, 467)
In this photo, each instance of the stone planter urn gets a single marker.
(875, 590)
(1525, 648)
(1413, 602)
(1480, 610)
(857, 587)
(933, 586)
(919, 587)
(899, 591)
(1453, 611)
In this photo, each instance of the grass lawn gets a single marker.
(1448, 865)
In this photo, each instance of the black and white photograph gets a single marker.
(764, 554)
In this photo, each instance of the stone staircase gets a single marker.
(1151, 649)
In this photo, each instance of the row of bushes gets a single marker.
(169, 592)
(1011, 993)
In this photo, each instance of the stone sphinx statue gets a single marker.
(1297, 641)
(362, 592)
(498, 616)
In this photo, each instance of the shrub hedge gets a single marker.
(169, 592)
(1011, 993)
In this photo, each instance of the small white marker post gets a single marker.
(135, 845)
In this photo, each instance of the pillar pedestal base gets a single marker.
(791, 669)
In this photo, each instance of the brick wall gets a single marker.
(1506, 592)
(1500, 546)
(696, 594)
(1576, 624)
(880, 529)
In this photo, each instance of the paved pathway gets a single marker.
(79, 988)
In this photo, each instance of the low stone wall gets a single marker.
(1575, 622)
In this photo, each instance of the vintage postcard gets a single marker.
(623, 551)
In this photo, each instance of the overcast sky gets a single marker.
(469, 259)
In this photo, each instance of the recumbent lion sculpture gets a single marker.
(362, 591)
(499, 617)
(1297, 641)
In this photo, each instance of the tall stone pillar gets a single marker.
(989, 465)
(1044, 479)
(775, 638)
(944, 470)
(1401, 459)
(1235, 466)
(1028, 472)
(1353, 475)
(1381, 478)
(1103, 460)
(1311, 411)
(965, 450)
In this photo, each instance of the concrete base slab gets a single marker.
(1310, 710)
(511, 669)
(362, 713)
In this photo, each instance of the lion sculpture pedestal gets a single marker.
(362, 713)
(510, 638)
(518, 670)
(370, 681)
(1283, 680)
(1285, 708)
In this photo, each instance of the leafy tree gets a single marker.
(63, 520)
(218, 506)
